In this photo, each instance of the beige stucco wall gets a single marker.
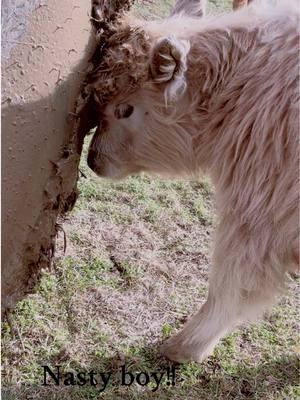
(43, 62)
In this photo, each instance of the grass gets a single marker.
(135, 267)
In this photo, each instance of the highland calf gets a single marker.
(220, 96)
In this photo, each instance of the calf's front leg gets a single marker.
(242, 285)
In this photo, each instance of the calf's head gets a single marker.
(142, 126)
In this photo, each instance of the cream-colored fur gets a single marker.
(219, 96)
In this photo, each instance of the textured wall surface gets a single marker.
(44, 58)
(13, 22)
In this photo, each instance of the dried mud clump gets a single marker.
(118, 64)
(123, 66)
(104, 13)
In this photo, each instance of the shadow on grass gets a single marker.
(264, 380)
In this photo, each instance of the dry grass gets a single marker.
(136, 266)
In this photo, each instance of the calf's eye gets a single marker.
(123, 110)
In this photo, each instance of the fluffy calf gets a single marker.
(218, 96)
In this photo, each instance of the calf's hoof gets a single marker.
(177, 352)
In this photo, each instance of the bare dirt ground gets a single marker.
(136, 265)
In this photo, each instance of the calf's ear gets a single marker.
(192, 8)
(168, 65)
